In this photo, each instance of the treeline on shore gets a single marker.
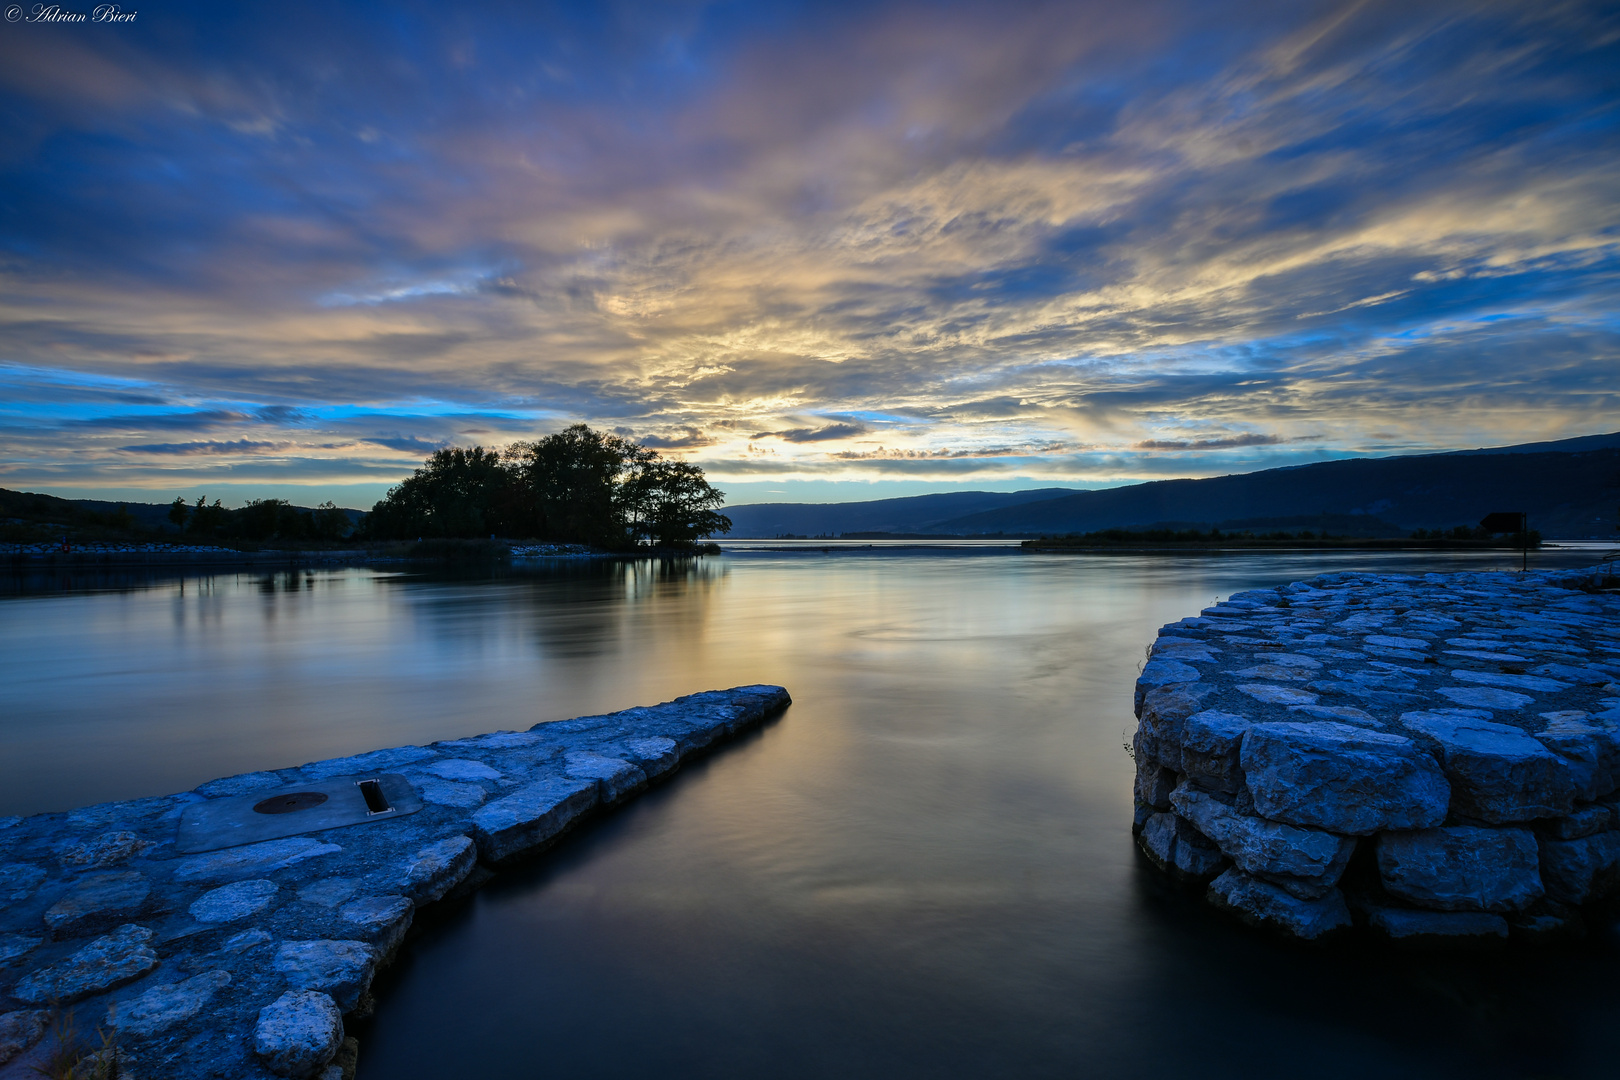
(1458, 536)
(578, 486)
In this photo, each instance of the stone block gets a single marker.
(1578, 871)
(616, 779)
(107, 962)
(1154, 785)
(1260, 903)
(381, 920)
(15, 945)
(108, 849)
(97, 901)
(21, 1029)
(462, 769)
(252, 860)
(1306, 862)
(1592, 751)
(235, 901)
(162, 1007)
(1344, 779)
(1212, 741)
(436, 869)
(18, 881)
(1584, 821)
(448, 793)
(530, 816)
(1498, 773)
(1160, 673)
(1177, 848)
(298, 1033)
(1461, 868)
(341, 969)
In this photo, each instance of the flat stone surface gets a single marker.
(15, 945)
(99, 900)
(381, 920)
(436, 869)
(109, 961)
(530, 816)
(1462, 868)
(229, 903)
(108, 849)
(188, 969)
(298, 1033)
(253, 860)
(164, 1006)
(341, 969)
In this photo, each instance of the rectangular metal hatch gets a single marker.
(291, 811)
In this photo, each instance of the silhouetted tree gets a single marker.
(456, 492)
(672, 505)
(573, 485)
(576, 486)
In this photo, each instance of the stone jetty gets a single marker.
(227, 931)
(1434, 759)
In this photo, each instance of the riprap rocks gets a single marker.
(1433, 757)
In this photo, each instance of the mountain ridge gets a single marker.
(1570, 488)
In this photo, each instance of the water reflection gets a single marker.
(924, 868)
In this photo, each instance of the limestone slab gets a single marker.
(530, 816)
(298, 1033)
(341, 969)
(1261, 903)
(162, 1007)
(1462, 868)
(1341, 778)
(1498, 773)
(107, 962)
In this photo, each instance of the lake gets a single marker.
(924, 867)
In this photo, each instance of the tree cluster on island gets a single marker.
(577, 486)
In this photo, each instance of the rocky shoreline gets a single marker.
(198, 955)
(1431, 759)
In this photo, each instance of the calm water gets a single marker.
(923, 868)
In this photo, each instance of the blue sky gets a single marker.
(825, 251)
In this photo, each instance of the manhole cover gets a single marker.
(286, 804)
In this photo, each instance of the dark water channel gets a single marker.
(924, 868)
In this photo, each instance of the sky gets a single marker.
(825, 251)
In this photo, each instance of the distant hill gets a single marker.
(1570, 489)
(916, 514)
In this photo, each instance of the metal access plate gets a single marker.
(290, 811)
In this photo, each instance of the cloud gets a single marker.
(811, 435)
(239, 446)
(1111, 229)
(1224, 443)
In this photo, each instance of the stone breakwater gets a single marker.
(206, 960)
(1428, 758)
